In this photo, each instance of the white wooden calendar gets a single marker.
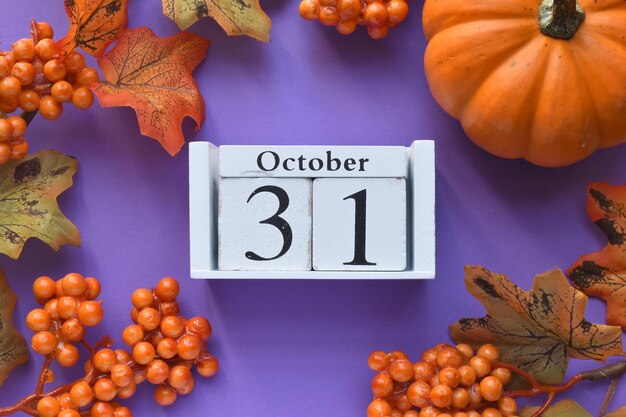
(312, 212)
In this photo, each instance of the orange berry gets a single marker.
(491, 388)
(23, 49)
(450, 376)
(44, 31)
(172, 326)
(87, 76)
(19, 126)
(346, 27)
(6, 130)
(460, 398)
(449, 357)
(44, 287)
(29, 100)
(481, 365)
(189, 346)
(468, 375)
(90, 313)
(401, 370)
(329, 16)
(378, 408)
(164, 395)
(167, 348)
(376, 14)
(81, 394)
(207, 366)
(441, 396)
(503, 374)
(104, 360)
(200, 327)
(54, 70)
(24, 72)
(67, 355)
(491, 412)
(10, 88)
(148, 318)
(38, 320)
(82, 98)
(46, 49)
(5, 68)
(507, 406)
(62, 91)
(167, 289)
(93, 288)
(349, 9)
(67, 307)
(48, 407)
(143, 353)
(179, 377)
(309, 9)
(132, 335)
(5, 153)
(142, 298)
(104, 389)
(418, 394)
(398, 11)
(157, 372)
(73, 284)
(101, 409)
(466, 350)
(19, 149)
(423, 371)
(382, 385)
(74, 62)
(49, 108)
(377, 32)
(73, 330)
(489, 351)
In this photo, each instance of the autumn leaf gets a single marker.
(603, 273)
(620, 412)
(153, 76)
(536, 330)
(94, 24)
(28, 202)
(236, 17)
(13, 347)
(565, 408)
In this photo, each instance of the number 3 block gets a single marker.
(359, 224)
(264, 224)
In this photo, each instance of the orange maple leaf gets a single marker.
(153, 76)
(94, 24)
(603, 273)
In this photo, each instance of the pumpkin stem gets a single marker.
(560, 18)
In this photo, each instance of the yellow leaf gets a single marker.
(13, 348)
(565, 408)
(28, 202)
(236, 17)
(536, 330)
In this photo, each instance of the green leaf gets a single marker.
(13, 347)
(565, 408)
(28, 202)
(537, 330)
(236, 17)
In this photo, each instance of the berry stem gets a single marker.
(43, 376)
(609, 395)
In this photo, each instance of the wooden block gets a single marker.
(264, 224)
(359, 224)
(313, 161)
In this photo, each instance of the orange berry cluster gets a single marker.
(167, 344)
(165, 347)
(36, 76)
(446, 382)
(69, 305)
(346, 15)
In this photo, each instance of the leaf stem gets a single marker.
(609, 395)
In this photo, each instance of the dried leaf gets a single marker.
(153, 76)
(236, 17)
(28, 202)
(565, 408)
(536, 330)
(603, 273)
(13, 347)
(94, 24)
(620, 412)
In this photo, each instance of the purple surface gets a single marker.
(300, 347)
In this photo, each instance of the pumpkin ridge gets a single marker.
(569, 124)
(536, 79)
(496, 59)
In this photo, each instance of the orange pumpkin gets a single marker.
(540, 81)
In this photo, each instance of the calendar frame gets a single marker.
(204, 179)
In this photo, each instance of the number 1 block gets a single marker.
(359, 224)
(264, 224)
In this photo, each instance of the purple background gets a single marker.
(299, 347)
